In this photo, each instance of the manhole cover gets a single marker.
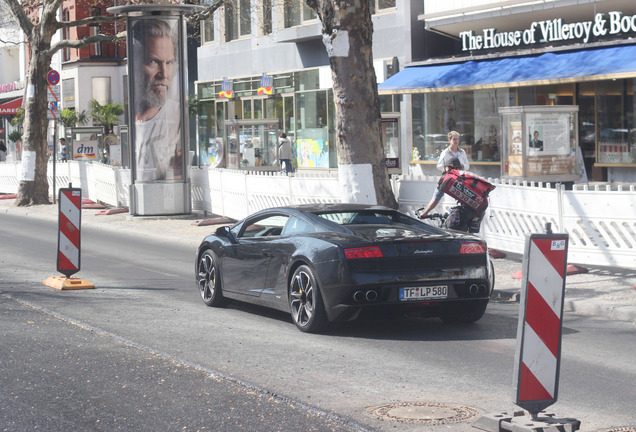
(620, 429)
(432, 413)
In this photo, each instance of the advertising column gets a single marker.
(157, 71)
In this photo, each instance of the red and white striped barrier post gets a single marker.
(538, 354)
(68, 237)
(538, 351)
(68, 241)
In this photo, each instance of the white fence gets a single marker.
(600, 221)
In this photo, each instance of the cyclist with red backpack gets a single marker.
(471, 192)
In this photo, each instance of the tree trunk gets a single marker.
(348, 34)
(34, 185)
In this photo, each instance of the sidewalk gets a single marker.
(602, 291)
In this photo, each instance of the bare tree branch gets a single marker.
(207, 13)
(86, 41)
(11, 42)
(89, 20)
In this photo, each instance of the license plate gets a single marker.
(424, 293)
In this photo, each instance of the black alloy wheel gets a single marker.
(209, 281)
(305, 303)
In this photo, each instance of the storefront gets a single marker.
(8, 110)
(585, 63)
(239, 121)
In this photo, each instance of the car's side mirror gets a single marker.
(224, 231)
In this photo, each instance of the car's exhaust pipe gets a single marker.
(371, 296)
(474, 289)
(358, 296)
(368, 296)
(482, 289)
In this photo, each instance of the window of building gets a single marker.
(257, 112)
(66, 54)
(245, 17)
(615, 129)
(247, 109)
(312, 134)
(586, 99)
(96, 49)
(474, 114)
(554, 94)
(267, 16)
(238, 19)
(231, 22)
(378, 5)
(207, 133)
(68, 93)
(298, 13)
(100, 90)
(208, 30)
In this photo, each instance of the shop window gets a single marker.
(389, 103)
(258, 108)
(307, 80)
(616, 131)
(555, 94)
(586, 100)
(312, 135)
(207, 134)
(288, 109)
(298, 13)
(474, 114)
(273, 108)
(220, 117)
(247, 109)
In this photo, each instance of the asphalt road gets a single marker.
(142, 352)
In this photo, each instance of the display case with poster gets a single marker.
(540, 143)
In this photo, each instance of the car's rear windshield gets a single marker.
(367, 217)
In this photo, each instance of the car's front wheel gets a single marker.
(209, 281)
(305, 303)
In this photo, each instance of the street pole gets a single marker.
(54, 154)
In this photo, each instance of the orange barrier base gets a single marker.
(64, 283)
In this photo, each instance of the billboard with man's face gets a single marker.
(156, 100)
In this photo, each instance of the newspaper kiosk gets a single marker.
(540, 143)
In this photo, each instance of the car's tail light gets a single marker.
(363, 252)
(471, 248)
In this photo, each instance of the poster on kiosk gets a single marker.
(540, 143)
(157, 71)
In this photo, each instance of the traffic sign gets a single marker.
(53, 77)
(53, 102)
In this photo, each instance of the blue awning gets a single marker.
(550, 68)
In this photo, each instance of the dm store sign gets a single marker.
(85, 150)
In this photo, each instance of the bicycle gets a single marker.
(443, 223)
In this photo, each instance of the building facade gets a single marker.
(441, 65)
(263, 69)
(96, 71)
(484, 57)
(12, 80)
